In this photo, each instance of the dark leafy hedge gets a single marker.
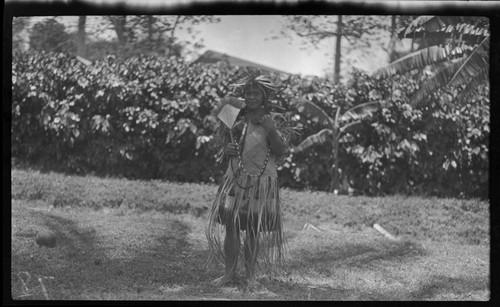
(147, 117)
(141, 118)
(440, 148)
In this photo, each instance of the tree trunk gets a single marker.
(335, 152)
(172, 32)
(335, 179)
(81, 49)
(171, 39)
(392, 44)
(119, 25)
(336, 72)
(336, 80)
(150, 28)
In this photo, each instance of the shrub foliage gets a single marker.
(148, 117)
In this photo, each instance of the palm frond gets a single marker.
(468, 31)
(313, 111)
(474, 64)
(416, 60)
(319, 138)
(255, 76)
(434, 23)
(444, 26)
(428, 24)
(472, 87)
(459, 72)
(440, 79)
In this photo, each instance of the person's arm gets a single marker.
(275, 141)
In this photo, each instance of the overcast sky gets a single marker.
(248, 37)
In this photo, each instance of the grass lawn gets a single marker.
(144, 240)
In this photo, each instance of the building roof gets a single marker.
(211, 56)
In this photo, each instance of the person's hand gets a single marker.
(268, 123)
(231, 150)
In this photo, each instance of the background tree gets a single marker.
(81, 48)
(359, 32)
(50, 35)
(396, 48)
(123, 30)
(19, 26)
(157, 33)
(392, 43)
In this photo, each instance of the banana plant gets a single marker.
(457, 46)
(336, 127)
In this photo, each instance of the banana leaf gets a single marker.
(416, 60)
(313, 111)
(319, 138)
(350, 127)
(460, 72)
(440, 79)
(428, 24)
(471, 88)
(361, 110)
(474, 64)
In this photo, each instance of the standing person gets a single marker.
(247, 206)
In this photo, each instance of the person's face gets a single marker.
(254, 98)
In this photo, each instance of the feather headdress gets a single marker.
(256, 79)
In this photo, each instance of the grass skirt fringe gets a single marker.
(250, 206)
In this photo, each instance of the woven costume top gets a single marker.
(255, 150)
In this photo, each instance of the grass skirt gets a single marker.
(250, 206)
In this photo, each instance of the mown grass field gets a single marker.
(144, 240)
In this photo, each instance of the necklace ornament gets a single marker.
(241, 168)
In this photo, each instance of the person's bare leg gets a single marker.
(231, 250)
(251, 252)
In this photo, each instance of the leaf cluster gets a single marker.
(145, 117)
